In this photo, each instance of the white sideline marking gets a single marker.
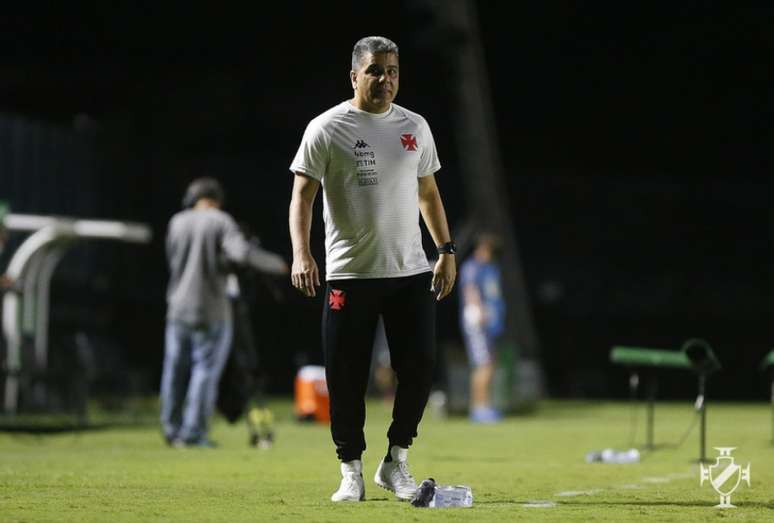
(667, 478)
(539, 504)
(573, 493)
(680, 475)
(648, 479)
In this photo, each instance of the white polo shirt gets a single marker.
(368, 165)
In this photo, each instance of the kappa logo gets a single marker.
(336, 299)
(408, 141)
(725, 476)
(360, 144)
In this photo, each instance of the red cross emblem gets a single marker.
(336, 299)
(408, 142)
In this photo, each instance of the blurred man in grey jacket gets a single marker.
(203, 243)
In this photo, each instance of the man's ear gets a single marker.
(353, 79)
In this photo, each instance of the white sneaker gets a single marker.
(395, 476)
(352, 487)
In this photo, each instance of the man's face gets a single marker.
(376, 81)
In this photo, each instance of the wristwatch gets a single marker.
(447, 248)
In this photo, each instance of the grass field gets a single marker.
(528, 468)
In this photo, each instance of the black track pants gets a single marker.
(349, 321)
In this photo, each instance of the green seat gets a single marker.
(641, 357)
(695, 355)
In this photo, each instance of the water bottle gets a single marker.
(452, 496)
(429, 494)
(424, 493)
(613, 456)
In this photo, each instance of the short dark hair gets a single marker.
(205, 187)
(373, 45)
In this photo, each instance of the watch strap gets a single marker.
(447, 248)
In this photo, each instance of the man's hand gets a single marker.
(444, 274)
(304, 274)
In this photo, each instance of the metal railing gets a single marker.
(26, 304)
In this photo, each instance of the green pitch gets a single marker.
(528, 468)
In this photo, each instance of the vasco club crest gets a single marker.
(725, 476)
(337, 299)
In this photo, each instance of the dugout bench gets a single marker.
(25, 311)
(696, 355)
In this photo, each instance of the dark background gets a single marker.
(634, 140)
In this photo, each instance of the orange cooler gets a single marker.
(311, 392)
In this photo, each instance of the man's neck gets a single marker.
(483, 257)
(205, 203)
(369, 108)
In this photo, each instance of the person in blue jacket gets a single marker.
(482, 318)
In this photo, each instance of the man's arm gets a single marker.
(265, 261)
(431, 207)
(304, 274)
(474, 310)
(240, 251)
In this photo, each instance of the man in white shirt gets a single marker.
(376, 162)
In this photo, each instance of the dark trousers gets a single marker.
(349, 321)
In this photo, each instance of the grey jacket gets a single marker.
(201, 246)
